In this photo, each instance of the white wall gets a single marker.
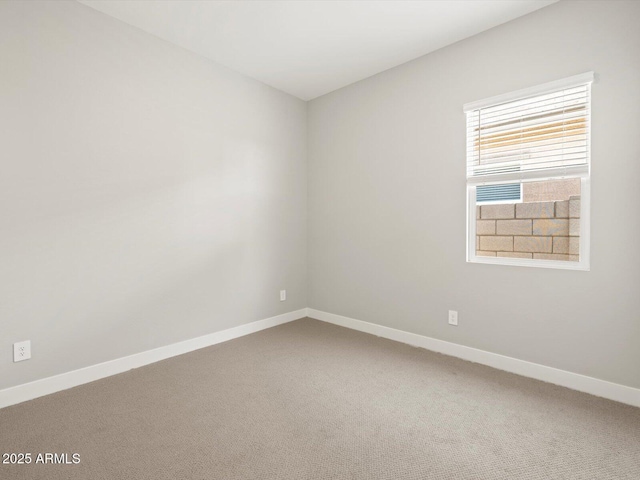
(387, 197)
(147, 195)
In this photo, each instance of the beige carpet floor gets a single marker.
(310, 400)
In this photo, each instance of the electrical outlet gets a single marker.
(283, 295)
(22, 351)
(453, 317)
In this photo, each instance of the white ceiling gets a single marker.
(309, 48)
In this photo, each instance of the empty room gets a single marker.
(324, 239)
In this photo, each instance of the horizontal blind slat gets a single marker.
(539, 108)
(557, 85)
(519, 176)
(545, 131)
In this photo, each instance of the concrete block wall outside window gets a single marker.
(538, 230)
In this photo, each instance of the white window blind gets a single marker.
(530, 134)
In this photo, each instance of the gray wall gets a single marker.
(387, 197)
(147, 196)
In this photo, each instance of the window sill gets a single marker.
(523, 262)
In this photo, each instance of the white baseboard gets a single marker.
(38, 388)
(574, 381)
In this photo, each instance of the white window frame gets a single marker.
(584, 173)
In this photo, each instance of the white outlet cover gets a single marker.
(453, 317)
(283, 295)
(22, 351)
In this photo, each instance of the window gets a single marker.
(528, 161)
